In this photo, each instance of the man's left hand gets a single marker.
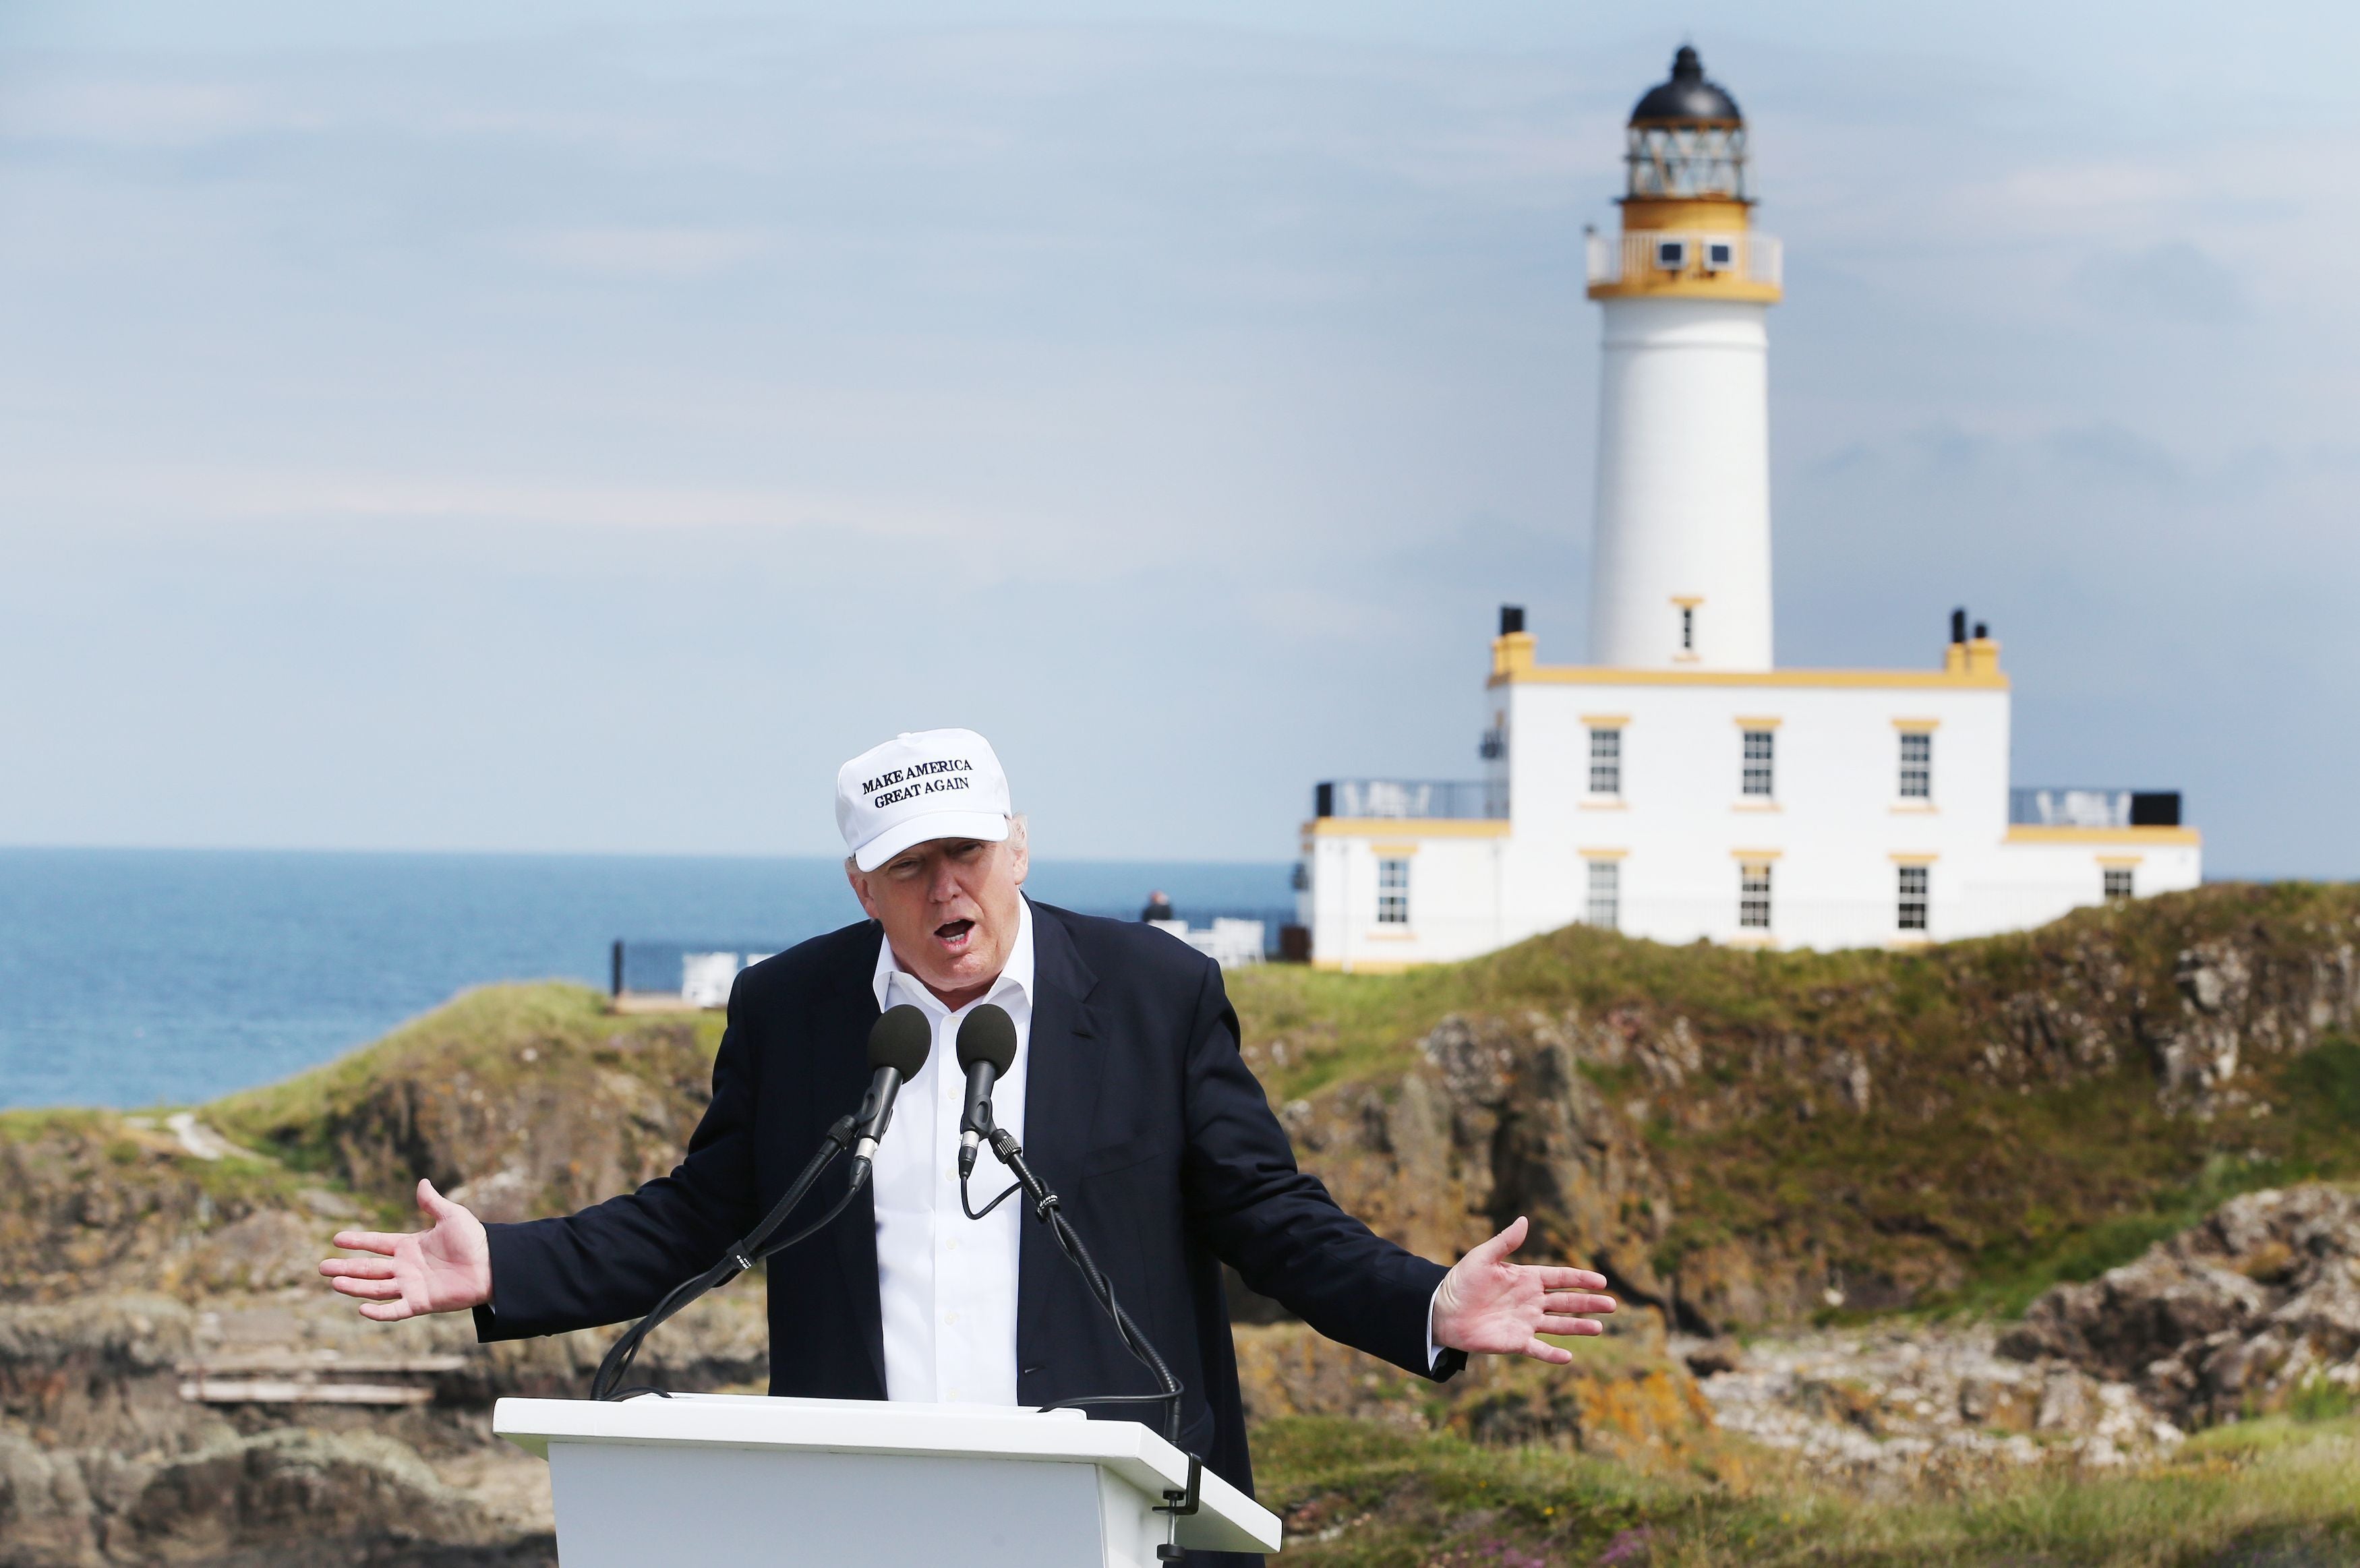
(1491, 1306)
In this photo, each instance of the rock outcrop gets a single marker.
(1745, 1140)
(1898, 1407)
(2236, 1317)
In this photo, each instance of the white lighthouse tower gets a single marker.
(1681, 565)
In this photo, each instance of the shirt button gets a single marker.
(954, 1246)
(950, 1317)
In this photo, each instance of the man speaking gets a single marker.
(1130, 1098)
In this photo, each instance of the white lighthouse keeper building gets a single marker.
(1678, 785)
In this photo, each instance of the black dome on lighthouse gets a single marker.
(1688, 99)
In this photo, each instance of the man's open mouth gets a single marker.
(954, 931)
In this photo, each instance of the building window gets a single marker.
(1606, 762)
(1754, 897)
(1392, 892)
(2118, 882)
(1605, 902)
(1688, 628)
(1912, 915)
(1720, 255)
(1757, 761)
(1671, 254)
(1916, 765)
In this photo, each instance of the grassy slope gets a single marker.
(2280, 1492)
(1982, 1189)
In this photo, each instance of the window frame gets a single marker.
(2108, 876)
(1607, 767)
(1672, 255)
(1393, 890)
(1918, 771)
(1603, 887)
(1908, 900)
(1762, 769)
(1753, 894)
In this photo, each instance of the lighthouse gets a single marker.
(1680, 566)
(1675, 783)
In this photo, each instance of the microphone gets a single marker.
(898, 1044)
(986, 1049)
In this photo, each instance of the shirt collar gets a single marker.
(1017, 972)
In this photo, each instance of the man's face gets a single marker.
(950, 907)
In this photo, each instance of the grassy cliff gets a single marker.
(1759, 1135)
(1743, 1139)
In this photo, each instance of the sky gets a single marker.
(581, 427)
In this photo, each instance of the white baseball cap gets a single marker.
(925, 784)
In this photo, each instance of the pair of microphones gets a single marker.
(898, 1044)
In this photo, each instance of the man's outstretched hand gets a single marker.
(445, 1270)
(1490, 1305)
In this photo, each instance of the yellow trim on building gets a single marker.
(1604, 853)
(1391, 828)
(1977, 657)
(2120, 862)
(1916, 726)
(1605, 803)
(1604, 721)
(1706, 215)
(2035, 833)
(1528, 672)
(1912, 857)
(1758, 806)
(1688, 601)
(1758, 724)
(1512, 654)
(1755, 856)
(1393, 850)
(1915, 809)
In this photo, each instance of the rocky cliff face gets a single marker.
(2242, 1315)
(1748, 1139)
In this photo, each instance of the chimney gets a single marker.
(1959, 624)
(1512, 619)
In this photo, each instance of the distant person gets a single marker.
(1131, 1100)
(1159, 907)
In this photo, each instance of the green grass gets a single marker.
(2280, 1492)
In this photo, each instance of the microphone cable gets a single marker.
(1046, 1207)
(736, 1259)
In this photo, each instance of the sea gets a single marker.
(140, 978)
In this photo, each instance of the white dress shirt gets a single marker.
(946, 1284)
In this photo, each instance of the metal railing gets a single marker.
(2084, 806)
(1458, 798)
(1642, 252)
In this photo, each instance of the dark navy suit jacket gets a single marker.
(1138, 1112)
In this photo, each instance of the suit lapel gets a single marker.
(847, 1045)
(1065, 1059)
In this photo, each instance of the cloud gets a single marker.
(2173, 281)
(673, 255)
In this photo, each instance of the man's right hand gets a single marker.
(445, 1270)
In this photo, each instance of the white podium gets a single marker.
(699, 1479)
